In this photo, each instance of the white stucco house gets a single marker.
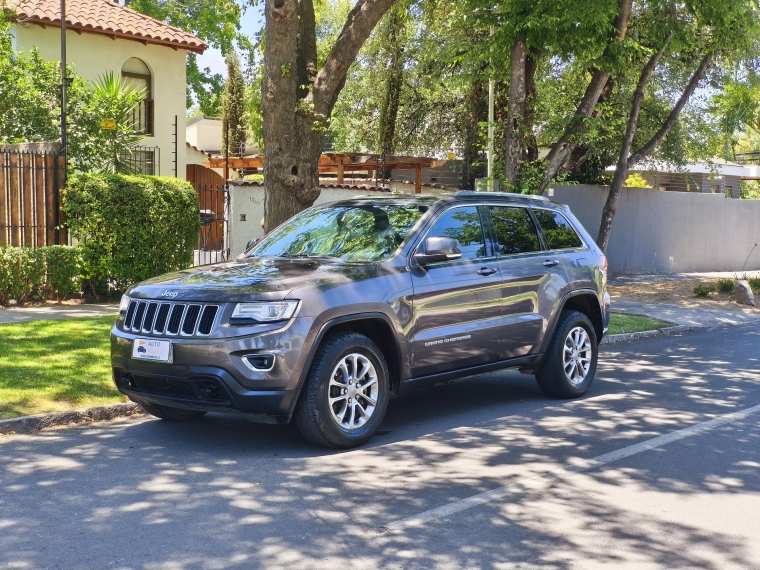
(103, 36)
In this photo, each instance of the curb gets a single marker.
(618, 338)
(26, 424)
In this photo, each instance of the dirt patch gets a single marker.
(679, 293)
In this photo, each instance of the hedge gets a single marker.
(130, 228)
(44, 272)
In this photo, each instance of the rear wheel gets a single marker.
(346, 393)
(569, 366)
(171, 414)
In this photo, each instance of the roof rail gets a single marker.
(501, 194)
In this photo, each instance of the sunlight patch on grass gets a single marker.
(48, 366)
(625, 324)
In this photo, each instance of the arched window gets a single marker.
(135, 73)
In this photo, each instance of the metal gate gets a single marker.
(214, 201)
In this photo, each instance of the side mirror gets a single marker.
(252, 243)
(436, 249)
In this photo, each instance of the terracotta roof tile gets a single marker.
(106, 18)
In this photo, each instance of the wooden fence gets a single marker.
(29, 209)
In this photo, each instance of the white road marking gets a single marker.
(546, 478)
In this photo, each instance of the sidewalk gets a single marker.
(683, 315)
(55, 312)
(661, 277)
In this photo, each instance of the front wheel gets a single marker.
(346, 393)
(569, 366)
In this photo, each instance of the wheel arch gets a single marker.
(584, 301)
(378, 327)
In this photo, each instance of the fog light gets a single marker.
(259, 362)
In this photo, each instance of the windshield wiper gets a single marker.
(305, 256)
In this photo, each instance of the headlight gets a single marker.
(265, 312)
(124, 304)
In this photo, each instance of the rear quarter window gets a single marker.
(558, 231)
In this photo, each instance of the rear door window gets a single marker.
(515, 230)
(558, 231)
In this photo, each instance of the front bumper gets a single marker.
(210, 375)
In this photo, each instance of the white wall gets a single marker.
(93, 55)
(669, 232)
(205, 134)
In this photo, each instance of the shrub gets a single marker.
(636, 180)
(702, 290)
(64, 270)
(130, 228)
(42, 272)
(725, 285)
(754, 283)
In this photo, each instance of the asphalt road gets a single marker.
(484, 473)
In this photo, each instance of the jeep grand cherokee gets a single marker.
(346, 304)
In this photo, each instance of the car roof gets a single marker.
(462, 196)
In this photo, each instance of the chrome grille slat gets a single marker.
(206, 323)
(130, 314)
(170, 319)
(139, 316)
(191, 320)
(162, 318)
(150, 317)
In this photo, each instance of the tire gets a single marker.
(171, 414)
(334, 366)
(552, 375)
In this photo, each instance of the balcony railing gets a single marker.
(142, 118)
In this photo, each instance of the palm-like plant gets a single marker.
(116, 99)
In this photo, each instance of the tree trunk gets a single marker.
(564, 147)
(477, 112)
(581, 152)
(644, 151)
(295, 119)
(394, 77)
(515, 128)
(530, 150)
(621, 172)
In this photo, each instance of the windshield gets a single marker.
(352, 233)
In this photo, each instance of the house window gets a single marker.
(143, 160)
(136, 74)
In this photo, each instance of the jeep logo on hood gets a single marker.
(170, 294)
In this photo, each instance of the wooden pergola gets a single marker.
(341, 163)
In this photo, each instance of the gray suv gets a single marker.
(347, 304)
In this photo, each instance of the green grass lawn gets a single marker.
(47, 366)
(620, 324)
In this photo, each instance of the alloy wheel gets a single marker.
(577, 355)
(353, 391)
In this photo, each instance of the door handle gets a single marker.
(551, 263)
(486, 271)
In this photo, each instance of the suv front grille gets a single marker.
(170, 319)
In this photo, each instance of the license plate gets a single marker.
(150, 349)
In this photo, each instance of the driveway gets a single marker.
(657, 467)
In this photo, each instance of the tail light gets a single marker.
(603, 262)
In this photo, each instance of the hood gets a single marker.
(249, 279)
